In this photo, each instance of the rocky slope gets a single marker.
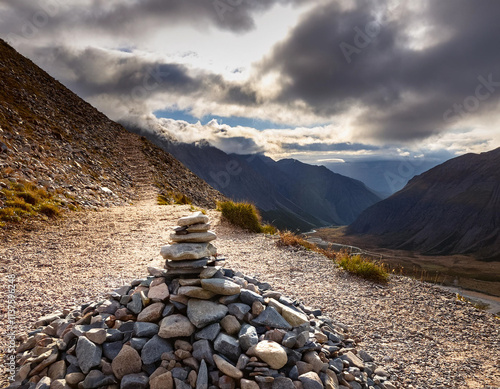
(453, 208)
(53, 140)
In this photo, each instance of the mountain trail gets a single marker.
(420, 334)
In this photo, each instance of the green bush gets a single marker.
(243, 215)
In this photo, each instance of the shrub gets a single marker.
(49, 210)
(269, 229)
(288, 238)
(28, 197)
(364, 268)
(19, 203)
(243, 215)
(163, 200)
(181, 198)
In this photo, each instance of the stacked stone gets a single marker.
(190, 251)
(219, 329)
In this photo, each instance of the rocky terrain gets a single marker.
(451, 209)
(53, 139)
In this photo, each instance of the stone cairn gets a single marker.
(193, 325)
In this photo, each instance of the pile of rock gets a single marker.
(220, 329)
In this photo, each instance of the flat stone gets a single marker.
(202, 379)
(209, 272)
(128, 361)
(317, 364)
(196, 292)
(230, 324)
(96, 335)
(304, 367)
(151, 313)
(168, 310)
(176, 325)
(44, 383)
(270, 317)
(227, 368)
(221, 286)
(228, 346)
(156, 271)
(248, 337)
(74, 378)
(194, 218)
(88, 354)
(283, 383)
(329, 379)
(154, 348)
(159, 293)
(138, 343)
(248, 297)
(194, 237)
(183, 251)
(257, 308)
(189, 282)
(353, 360)
(57, 370)
(272, 353)
(311, 381)
(144, 329)
(163, 381)
(202, 351)
(59, 384)
(248, 384)
(135, 381)
(179, 384)
(238, 310)
(202, 312)
(111, 349)
(209, 332)
(200, 227)
(190, 264)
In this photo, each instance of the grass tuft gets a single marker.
(49, 210)
(173, 198)
(163, 200)
(243, 215)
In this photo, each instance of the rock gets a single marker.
(289, 339)
(97, 335)
(194, 237)
(242, 361)
(248, 297)
(317, 364)
(230, 324)
(283, 383)
(182, 251)
(270, 317)
(202, 350)
(272, 353)
(304, 367)
(163, 381)
(176, 325)
(57, 370)
(202, 379)
(97, 379)
(192, 377)
(221, 286)
(138, 343)
(200, 227)
(156, 271)
(226, 382)
(209, 332)
(257, 308)
(227, 368)
(154, 348)
(128, 361)
(248, 337)
(293, 317)
(196, 292)
(59, 384)
(353, 360)
(135, 381)
(311, 381)
(151, 313)
(209, 272)
(159, 293)
(111, 349)
(248, 384)
(189, 264)
(202, 313)
(194, 218)
(74, 378)
(238, 310)
(329, 379)
(227, 346)
(180, 384)
(365, 356)
(44, 383)
(88, 354)
(144, 329)
(135, 306)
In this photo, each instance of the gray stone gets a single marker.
(202, 350)
(200, 227)
(156, 271)
(96, 379)
(181, 384)
(239, 310)
(179, 373)
(248, 297)
(88, 354)
(230, 324)
(194, 237)
(169, 309)
(283, 383)
(135, 306)
(228, 346)
(221, 286)
(201, 312)
(311, 381)
(152, 350)
(336, 365)
(193, 218)
(135, 381)
(44, 383)
(248, 337)
(138, 343)
(270, 317)
(182, 251)
(196, 292)
(209, 332)
(289, 340)
(190, 264)
(227, 368)
(144, 329)
(202, 380)
(175, 326)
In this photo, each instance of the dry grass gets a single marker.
(357, 265)
(173, 198)
(244, 215)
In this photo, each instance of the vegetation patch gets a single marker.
(357, 265)
(244, 215)
(173, 198)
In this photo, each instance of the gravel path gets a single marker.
(420, 333)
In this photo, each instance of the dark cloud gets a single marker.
(338, 58)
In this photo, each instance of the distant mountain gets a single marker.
(290, 194)
(453, 208)
(384, 177)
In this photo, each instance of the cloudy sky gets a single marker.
(317, 80)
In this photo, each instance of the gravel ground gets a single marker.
(421, 334)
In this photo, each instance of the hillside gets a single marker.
(290, 194)
(453, 208)
(57, 144)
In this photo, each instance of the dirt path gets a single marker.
(420, 333)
